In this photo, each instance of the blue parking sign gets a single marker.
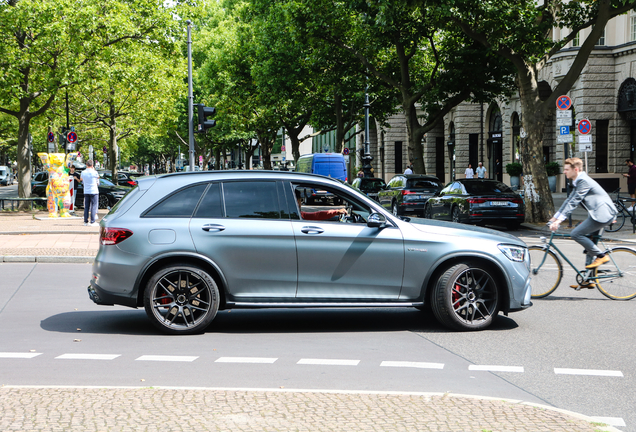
(564, 130)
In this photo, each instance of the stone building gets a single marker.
(605, 94)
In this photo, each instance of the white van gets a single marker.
(6, 176)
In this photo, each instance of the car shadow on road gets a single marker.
(135, 322)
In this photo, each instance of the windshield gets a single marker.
(491, 187)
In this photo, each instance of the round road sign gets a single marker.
(564, 103)
(51, 137)
(71, 137)
(345, 151)
(585, 127)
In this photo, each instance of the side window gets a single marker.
(401, 182)
(456, 189)
(257, 200)
(393, 182)
(210, 206)
(180, 204)
(447, 189)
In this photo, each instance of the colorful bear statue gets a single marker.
(58, 189)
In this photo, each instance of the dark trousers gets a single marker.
(90, 204)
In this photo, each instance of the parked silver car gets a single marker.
(189, 244)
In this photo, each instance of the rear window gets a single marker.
(428, 185)
(181, 204)
(372, 185)
(258, 200)
(480, 188)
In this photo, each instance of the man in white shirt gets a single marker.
(469, 172)
(90, 179)
(409, 169)
(481, 171)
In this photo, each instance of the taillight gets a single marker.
(476, 200)
(112, 236)
(517, 200)
(132, 182)
(408, 192)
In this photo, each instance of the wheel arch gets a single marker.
(187, 258)
(448, 261)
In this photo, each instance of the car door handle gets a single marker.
(312, 230)
(212, 227)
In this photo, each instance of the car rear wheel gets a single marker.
(181, 299)
(465, 297)
(428, 214)
(395, 210)
(103, 202)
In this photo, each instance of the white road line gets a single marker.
(167, 358)
(245, 360)
(18, 355)
(408, 364)
(494, 368)
(88, 356)
(612, 421)
(593, 372)
(330, 362)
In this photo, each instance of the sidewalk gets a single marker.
(23, 238)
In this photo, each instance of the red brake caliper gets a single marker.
(456, 295)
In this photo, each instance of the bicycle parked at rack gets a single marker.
(623, 212)
(615, 279)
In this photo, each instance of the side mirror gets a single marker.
(376, 220)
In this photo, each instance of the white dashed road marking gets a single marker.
(330, 362)
(245, 360)
(494, 368)
(18, 355)
(408, 364)
(593, 372)
(88, 356)
(167, 358)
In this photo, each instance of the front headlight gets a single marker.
(514, 253)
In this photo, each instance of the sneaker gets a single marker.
(589, 285)
(85, 223)
(597, 262)
(93, 224)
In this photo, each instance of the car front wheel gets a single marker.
(103, 201)
(465, 297)
(181, 299)
(395, 210)
(455, 215)
(428, 214)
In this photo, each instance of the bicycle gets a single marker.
(615, 280)
(622, 212)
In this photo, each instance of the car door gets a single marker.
(348, 261)
(244, 227)
(436, 202)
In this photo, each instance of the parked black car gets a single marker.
(408, 193)
(124, 178)
(109, 193)
(369, 186)
(477, 201)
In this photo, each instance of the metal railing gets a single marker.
(18, 201)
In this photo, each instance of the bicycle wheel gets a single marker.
(620, 221)
(546, 277)
(617, 278)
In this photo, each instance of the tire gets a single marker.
(395, 210)
(103, 202)
(466, 297)
(171, 304)
(455, 215)
(622, 266)
(428, 213)
(620, 221)
(546, 278)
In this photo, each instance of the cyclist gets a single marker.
(596, 201)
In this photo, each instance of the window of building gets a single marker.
(602, 138)
(632, 27)
(601, 40)
(257, 200)
(398, 156)
(181, 204)
(576, 41)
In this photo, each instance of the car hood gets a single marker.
(464, 230)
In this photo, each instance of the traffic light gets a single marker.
(203, 114)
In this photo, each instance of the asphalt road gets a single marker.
(9, 191)
(46, 317)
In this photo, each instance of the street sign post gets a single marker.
(585, 148)
(564, 102)
(584, 127)
(51, 137)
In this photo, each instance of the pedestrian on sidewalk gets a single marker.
(631, 180)
(409, 169)
(469, 172)
(90, 179)
(76, 178)
(596, 201)
(481, 171)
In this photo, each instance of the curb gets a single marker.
(591, 420)
(47, 259)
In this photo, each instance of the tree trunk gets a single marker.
(24, 173)
(266, 151)
(112, 150)
(415, 135)
(217, 159)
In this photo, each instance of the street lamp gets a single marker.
(367, 158)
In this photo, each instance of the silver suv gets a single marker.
(189, 244)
